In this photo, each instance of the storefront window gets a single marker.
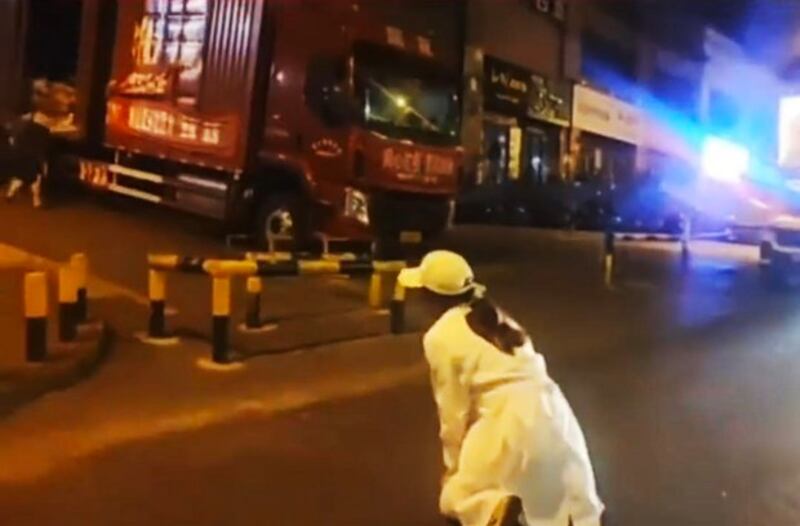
(605, 160)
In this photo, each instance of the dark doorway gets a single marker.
(496, 143)
(53, 39)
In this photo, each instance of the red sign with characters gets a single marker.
(165, 122)
(414, 163)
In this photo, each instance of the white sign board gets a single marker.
(789, 132)
(604, 115)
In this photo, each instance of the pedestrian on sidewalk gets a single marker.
(25, 140)
(23, 156)
(514, 453)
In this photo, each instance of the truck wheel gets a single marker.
(284, 219)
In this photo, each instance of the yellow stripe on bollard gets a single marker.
(397, 310)
(35, 295)
(254, 285)
(67, 304)
(608, 270)
(220, 319)
(35, 316)
(376, 290)
(227, 268)
(319, 267)
(163, 261)
(67, 285)
(221, 296)
(157, 285)
(399, 292)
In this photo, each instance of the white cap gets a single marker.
(442, 272)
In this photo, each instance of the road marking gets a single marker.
(12, 258)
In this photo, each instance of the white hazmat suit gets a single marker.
(506, 429)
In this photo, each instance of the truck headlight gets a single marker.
(356, 206)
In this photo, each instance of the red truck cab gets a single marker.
(288, 117)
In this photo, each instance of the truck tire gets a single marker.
(285, 218)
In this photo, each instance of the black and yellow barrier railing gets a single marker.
(222, 271)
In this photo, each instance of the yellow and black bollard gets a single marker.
(397, 310)
(376, 289)
(80, 265)
(157, 290)
(253, 317)
(35, 316)
(221, 318)
(67, 304)
(609, 252)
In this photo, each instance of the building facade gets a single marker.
(517, 102)
(558, 92)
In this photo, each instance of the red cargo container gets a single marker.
(183, 81)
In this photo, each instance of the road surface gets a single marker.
(686, 381)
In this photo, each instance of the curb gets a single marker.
(66, 366)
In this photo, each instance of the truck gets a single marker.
(284, 119)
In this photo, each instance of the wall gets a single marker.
(515, 32)
(13, 16)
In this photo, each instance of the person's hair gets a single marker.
(491, 324)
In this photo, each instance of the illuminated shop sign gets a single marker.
(512, 90)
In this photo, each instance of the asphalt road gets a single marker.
(685, 379)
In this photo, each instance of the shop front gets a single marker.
(606, 134)
(524, 118)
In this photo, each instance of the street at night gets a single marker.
(684, 379)
(400, 262)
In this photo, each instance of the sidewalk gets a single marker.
(21, 381)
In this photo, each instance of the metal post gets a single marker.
(221, 316)
(397, 310)
(35, 316)
(157, 291)
(80, 265)
(253, 317)
(376, 290)
(608, 256)
(686, 235)
(67, 304)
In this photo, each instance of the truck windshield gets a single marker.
(406, 97)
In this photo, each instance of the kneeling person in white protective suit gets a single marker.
(513, 450)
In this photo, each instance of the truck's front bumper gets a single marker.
(392, 215)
